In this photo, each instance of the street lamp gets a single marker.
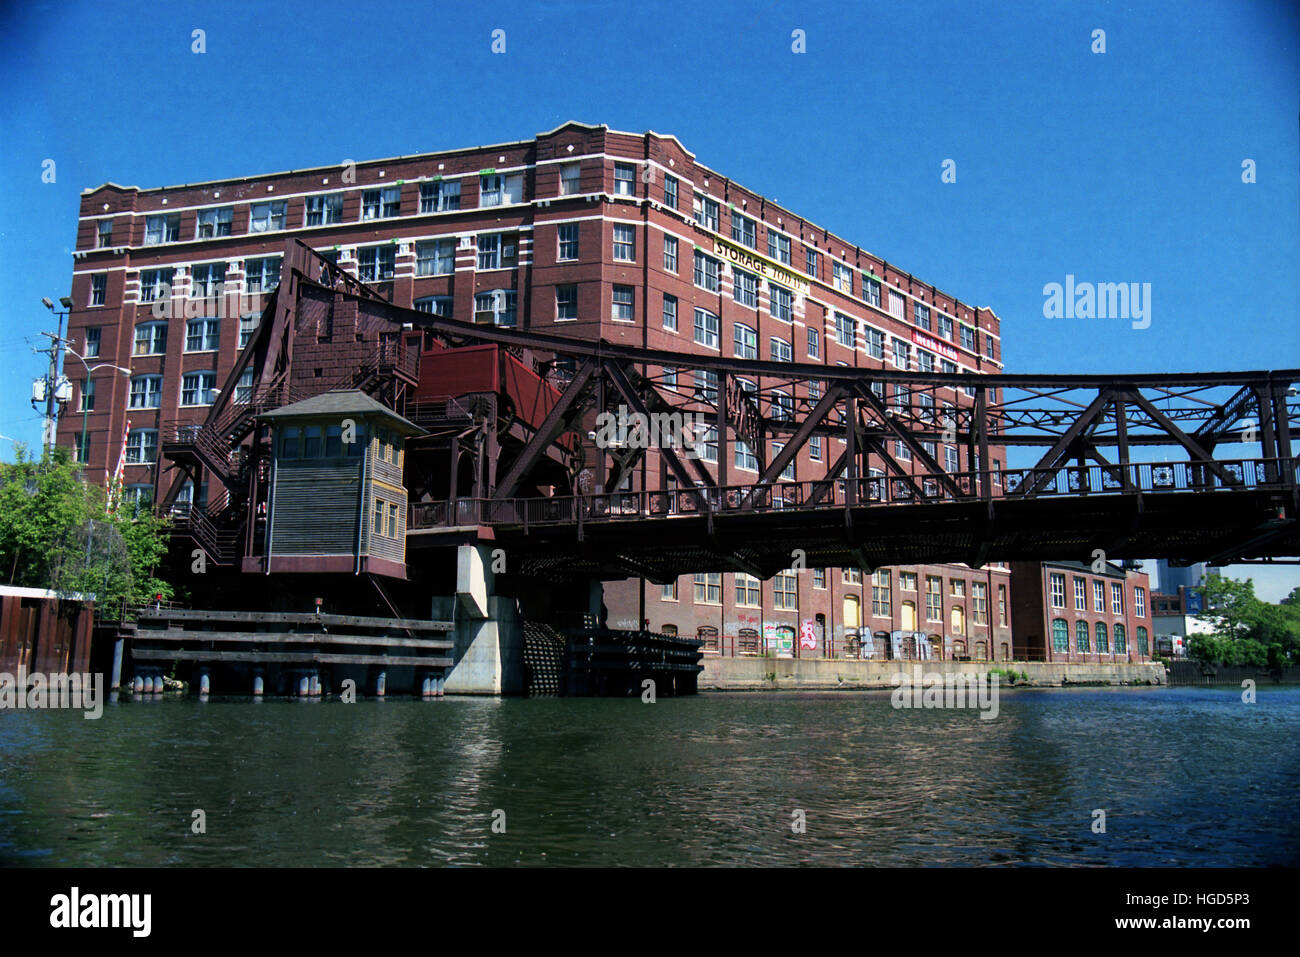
(83, 449)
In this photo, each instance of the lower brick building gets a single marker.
(908, 612)
(1065, 611)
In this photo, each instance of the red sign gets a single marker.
(934, 345)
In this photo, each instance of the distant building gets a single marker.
(1064, 611)
(1176, 618)
(1170, 578)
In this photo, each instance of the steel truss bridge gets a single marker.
(1133, 465)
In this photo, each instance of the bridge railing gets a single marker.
(1242, 474)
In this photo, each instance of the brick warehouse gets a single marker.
(581, 231)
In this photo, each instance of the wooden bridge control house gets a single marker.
(337, 502)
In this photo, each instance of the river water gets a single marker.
(1185, 777)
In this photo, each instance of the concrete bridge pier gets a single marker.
(489, 652)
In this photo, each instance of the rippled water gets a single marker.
(1186, 777)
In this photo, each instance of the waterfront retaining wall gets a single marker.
(829, 674)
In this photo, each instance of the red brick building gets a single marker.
(1064, 611)
(581, 231)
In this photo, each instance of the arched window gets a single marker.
(1060, 635)
(958, 620)
(981, 651)
(852, 615)
(1143, 647)
(1081, 642)
(1121, 640)
(909, 616)
(1103, 643)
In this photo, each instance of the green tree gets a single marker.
(57, 532)
(1247, 631)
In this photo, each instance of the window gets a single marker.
(495, 307)
(708, 588)
(624, 179)
(843, 276)
(570, 176)
(142, 447)
(376, 263)
(979, 603)
(202, 335)
(988, 345)
(933, 598)
(440, 196)
(951, 462)
(1116, 599)
(496, 189)
(670, 312)
(1056, 584)
(333, 441)
(1002, 605)
(1139, 603)
(785, 590)
(1082, 641)
(435, 305)
(844, 329)
(670, 192)
(377, 524)
(393, 530)
(105, 234)
(947, 367)
(324, 210)
(146, 392)
(745, 457)
(669, 592)
(196, 388)
(267, 217)
(707, 445)
(706, 272)
(782, 407)
(871, 291)
(815, 448)
(244, 388)
(566, 302)
(91, 348)
(1080, 598)
(497, 251)
(1121, 640)
(746, 342)
(87, 398)
(814, 343)
(902, 355)
(780, 302)
(162, 229)
(851, 576)
(670, 254)
(896, 305)
(1098, 597)
(381, 203)
(150, 339)
(778, 247)
(625, 243)
(968, 338)
(1103, 643)
(568, 234)
(435, 258)
(745, 288)
(819, 578)
(155, 284)
(748, 591)
(1060, 635)
(881, 604)
(944, 326)
(921, 315)
(810, 261)
(262, 275)
(1143, 647)
(622, 304)
(706, 385)
(98, 288)
(958, 588)
(924, 361)
(670, 381)
(743, 229)
(706, 211)
(213, 222)
(907, 581)
(206, 280)
(706, 328)
(780, 350)
(875, 340)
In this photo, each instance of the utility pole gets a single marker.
(54, 388)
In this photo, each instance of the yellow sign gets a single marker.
(767, 268)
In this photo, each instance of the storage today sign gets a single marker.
(767, 268)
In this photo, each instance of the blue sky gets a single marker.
(1123, 166)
